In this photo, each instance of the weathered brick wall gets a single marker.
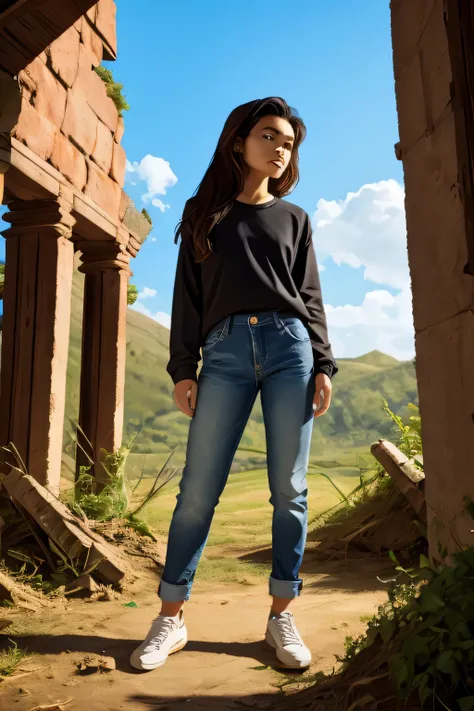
(67, 118)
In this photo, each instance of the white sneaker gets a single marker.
(283, 636)
(167, 635)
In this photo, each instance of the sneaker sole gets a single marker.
(270, 641)
(176, 648)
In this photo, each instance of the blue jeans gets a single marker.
(244, 353)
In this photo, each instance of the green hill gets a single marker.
(354, 420)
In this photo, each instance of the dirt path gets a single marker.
(217, 669)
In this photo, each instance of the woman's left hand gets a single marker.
(322, 383)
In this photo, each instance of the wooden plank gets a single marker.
(62, 527)
(405, 475)
(13, 10)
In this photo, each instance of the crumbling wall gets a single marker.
(442, 287)
(66, 116)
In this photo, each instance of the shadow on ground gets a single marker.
(360, 572)
(121, 649)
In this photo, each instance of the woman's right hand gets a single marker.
(188, 406)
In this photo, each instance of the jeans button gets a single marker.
(253, 320)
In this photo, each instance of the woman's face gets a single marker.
(269, 142)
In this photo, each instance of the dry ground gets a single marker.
(225, 664)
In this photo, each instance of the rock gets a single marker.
(84, 584)
(35, 131)
(91, 665)
(103, 149)
(64, 54)
(118, 164)
(69, 161)
(4, 623)
(80, 122)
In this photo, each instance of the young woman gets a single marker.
(247, 290)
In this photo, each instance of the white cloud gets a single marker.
(158, 203)
(160, 316)
(152, 239)
(367, 229)
(156, 173)
(147, 293)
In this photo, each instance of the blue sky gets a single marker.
(185, 66)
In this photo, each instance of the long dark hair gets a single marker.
(223, 181)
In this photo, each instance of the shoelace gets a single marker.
(288, 631)
(167, 626)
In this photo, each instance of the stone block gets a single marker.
(69, 161)
(35, 131)
(446, 351)
(80, 122)
(411, 109)
(64, 55)
(118, 164)
(92, 42)
(436, 66)
(125, 202)
(107, 26)
(50, 96)
(437, 244)
(94, 88)
(92, 13)
(102, 190)
(103, 149)
(408, 20)
(120, 130)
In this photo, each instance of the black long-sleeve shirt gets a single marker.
(263, 260)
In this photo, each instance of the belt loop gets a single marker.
(227, 324)
(276, 319)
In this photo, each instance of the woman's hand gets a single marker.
(186, 404)
(322, 383)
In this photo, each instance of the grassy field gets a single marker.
(242, 522)
(243, 519)
(355, 419)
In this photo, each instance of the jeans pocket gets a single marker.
(295, 327)
(214, 336)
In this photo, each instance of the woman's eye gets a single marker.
(267, 134)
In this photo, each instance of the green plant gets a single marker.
(114, 89)
(427, 629)
(146, 215)
(11, 658)
(409, 441)
(132, 294)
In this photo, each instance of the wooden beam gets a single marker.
(16, 9)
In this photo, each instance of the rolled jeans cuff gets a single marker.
(174, 593)
(285, 588)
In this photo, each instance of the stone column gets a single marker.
(37, 305)
(106, 266)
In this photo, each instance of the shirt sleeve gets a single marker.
(306, 277)
(185, 332)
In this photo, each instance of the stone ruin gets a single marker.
(63, 188)
(63, 169)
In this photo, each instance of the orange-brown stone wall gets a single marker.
(67, 118)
